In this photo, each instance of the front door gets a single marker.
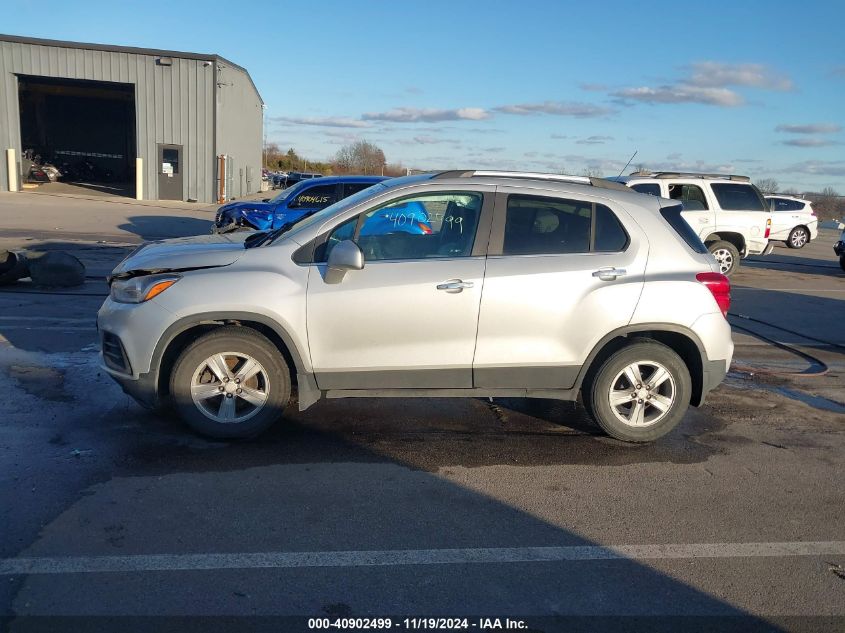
(170, 168)
(409, 318)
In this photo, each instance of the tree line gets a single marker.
(360, 157)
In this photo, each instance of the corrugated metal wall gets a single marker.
(240, 120)
(173, 104)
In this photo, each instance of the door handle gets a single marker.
(703, 220)
(609, 274)
(455, 285)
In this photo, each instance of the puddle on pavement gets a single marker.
(43, 382)
(742, 381)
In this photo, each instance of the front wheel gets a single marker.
(727, 256)
(842, 262)
(639, 393)
(230, 383)
(798, 237)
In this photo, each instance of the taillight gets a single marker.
(768, 228)
(720, 288)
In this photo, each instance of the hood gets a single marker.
(247, 205)
(184, 253)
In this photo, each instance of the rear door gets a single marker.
(785, 215)
(561, 273)
(698, 209)
(743, 210)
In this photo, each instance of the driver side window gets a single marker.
(437, 224)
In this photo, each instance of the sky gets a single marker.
(753, 88)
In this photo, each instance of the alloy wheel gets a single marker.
(725, 259)
(230, 387)
(642, 393)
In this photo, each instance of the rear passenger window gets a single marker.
(546, 226)
(610, 236)
(351, 188)
(651, 188)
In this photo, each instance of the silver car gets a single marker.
(454, 284)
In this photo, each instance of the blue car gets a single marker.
(291, 204)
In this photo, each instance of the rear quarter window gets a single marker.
(673, 216)
(738, 197)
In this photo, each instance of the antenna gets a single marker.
(629, 162)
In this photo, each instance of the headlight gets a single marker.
(140, 289)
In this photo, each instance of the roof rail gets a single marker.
(690, 174)
(580, 180)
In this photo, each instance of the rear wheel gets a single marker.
(798, 237)
(639, 393)
(727, 256)
(230, 383)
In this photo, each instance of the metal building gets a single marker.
(153, 123)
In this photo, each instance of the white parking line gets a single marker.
(51, 328)
(287, 560)
(89, 320)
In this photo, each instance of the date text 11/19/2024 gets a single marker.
(414, 624)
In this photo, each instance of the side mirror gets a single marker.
(346, 255)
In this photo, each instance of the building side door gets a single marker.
(170, 169)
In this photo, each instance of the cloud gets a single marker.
(818, 168)
(425, 139)
(681, 93)
(717, 75)
(556, 108)
(810, 142)
(427, 115)
(592, 87)
(322, 121)
(708, 83)
(838, 71)
(594, 140)
(559, 136)
(810, 128)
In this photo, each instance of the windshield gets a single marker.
(284, 194)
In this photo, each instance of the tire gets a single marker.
(727, 256)
(238, 400)
(621, 420)
(842, 262)
(798, 237)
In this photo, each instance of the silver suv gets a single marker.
(454, 284)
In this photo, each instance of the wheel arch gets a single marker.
(181, 333)
(679, 339)
(737, 239)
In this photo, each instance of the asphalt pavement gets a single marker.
(116, 518)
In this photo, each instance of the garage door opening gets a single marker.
(86, 129)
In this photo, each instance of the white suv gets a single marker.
(794, 221)
(728, 213)
(455, 284)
